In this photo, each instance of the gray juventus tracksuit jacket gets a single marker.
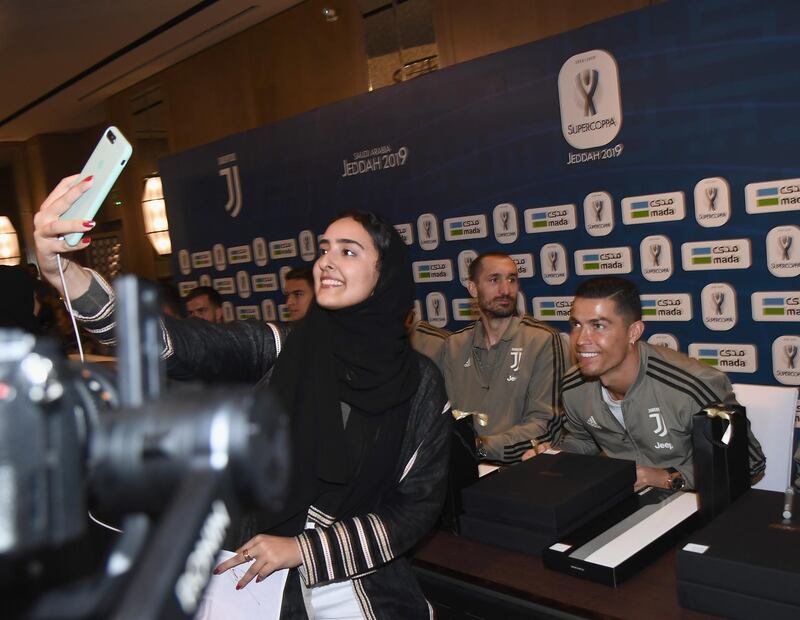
(515, 383)
(669, 389)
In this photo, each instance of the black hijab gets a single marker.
(360, 356)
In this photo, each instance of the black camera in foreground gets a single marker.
(173, 474)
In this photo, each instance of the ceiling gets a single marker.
(63, 59)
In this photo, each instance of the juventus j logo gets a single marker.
(516, 358)
(791, 353)
(587, 85)
(718, 298)
(553, 256)
(655, 252)
(504, 218)
(785, 242)
(427, 224)
(231, 174)
(598, 210)
(711, 195)
(661, 428)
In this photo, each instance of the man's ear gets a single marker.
(473, 290)
(635, 331)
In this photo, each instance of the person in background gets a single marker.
(204, 303)
(299, 292)
(19, 305)
(171, 303)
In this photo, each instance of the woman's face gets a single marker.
(346, 271)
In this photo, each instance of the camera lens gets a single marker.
(111, 137)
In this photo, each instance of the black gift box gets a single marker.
(745, 563)
(527, 506)
(620, 542)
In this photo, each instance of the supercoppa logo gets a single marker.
(786, 359)
(667, 307)
(229, 170)
(553, 262)
(506, 227)
(436, 307)
(664, 340)
(598, 214)
(655, 253)
(726, 357)
(712, 202)
(428, 231)
(718, 301)
(783, 251)
(714, 255)
(589, 99)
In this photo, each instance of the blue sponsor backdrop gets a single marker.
(707, 90)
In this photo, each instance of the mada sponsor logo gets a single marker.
(186, 286)
(308, 250)
(260, 256)
(712, 202)
(655, 257)
(598, 214)
(239, 254)
(265, 282)
(436, 307)
(552, 308)
(664, 340)
(726, 357)
(718, 301)
(589, 99)
(548, 219)
(653, 208)
(184, 262)
(525, 266)
(428, 231)
(772, 196)
(243, 313)
(783, 251)
(283, 248)
(433, 270)
(201, 260)
(786, 359)
(603, 260)
(268, 310)
(667, 307)
(776, 306)
(406, 232)
(722, 254)
(228, 169)
(465, 259)
(506, 226)
(553, 263)
(283, 313)
(224, 286)
(465, 310)
(470, 227)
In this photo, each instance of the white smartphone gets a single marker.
(105, 164)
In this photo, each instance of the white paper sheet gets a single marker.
(222, 601)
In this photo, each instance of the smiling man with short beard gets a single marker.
(505, 366)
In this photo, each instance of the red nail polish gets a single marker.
(88, 224)
(238, 587)
(87, 179)
(215, 571)
(86, 240)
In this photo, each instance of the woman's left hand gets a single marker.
(266, 554)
